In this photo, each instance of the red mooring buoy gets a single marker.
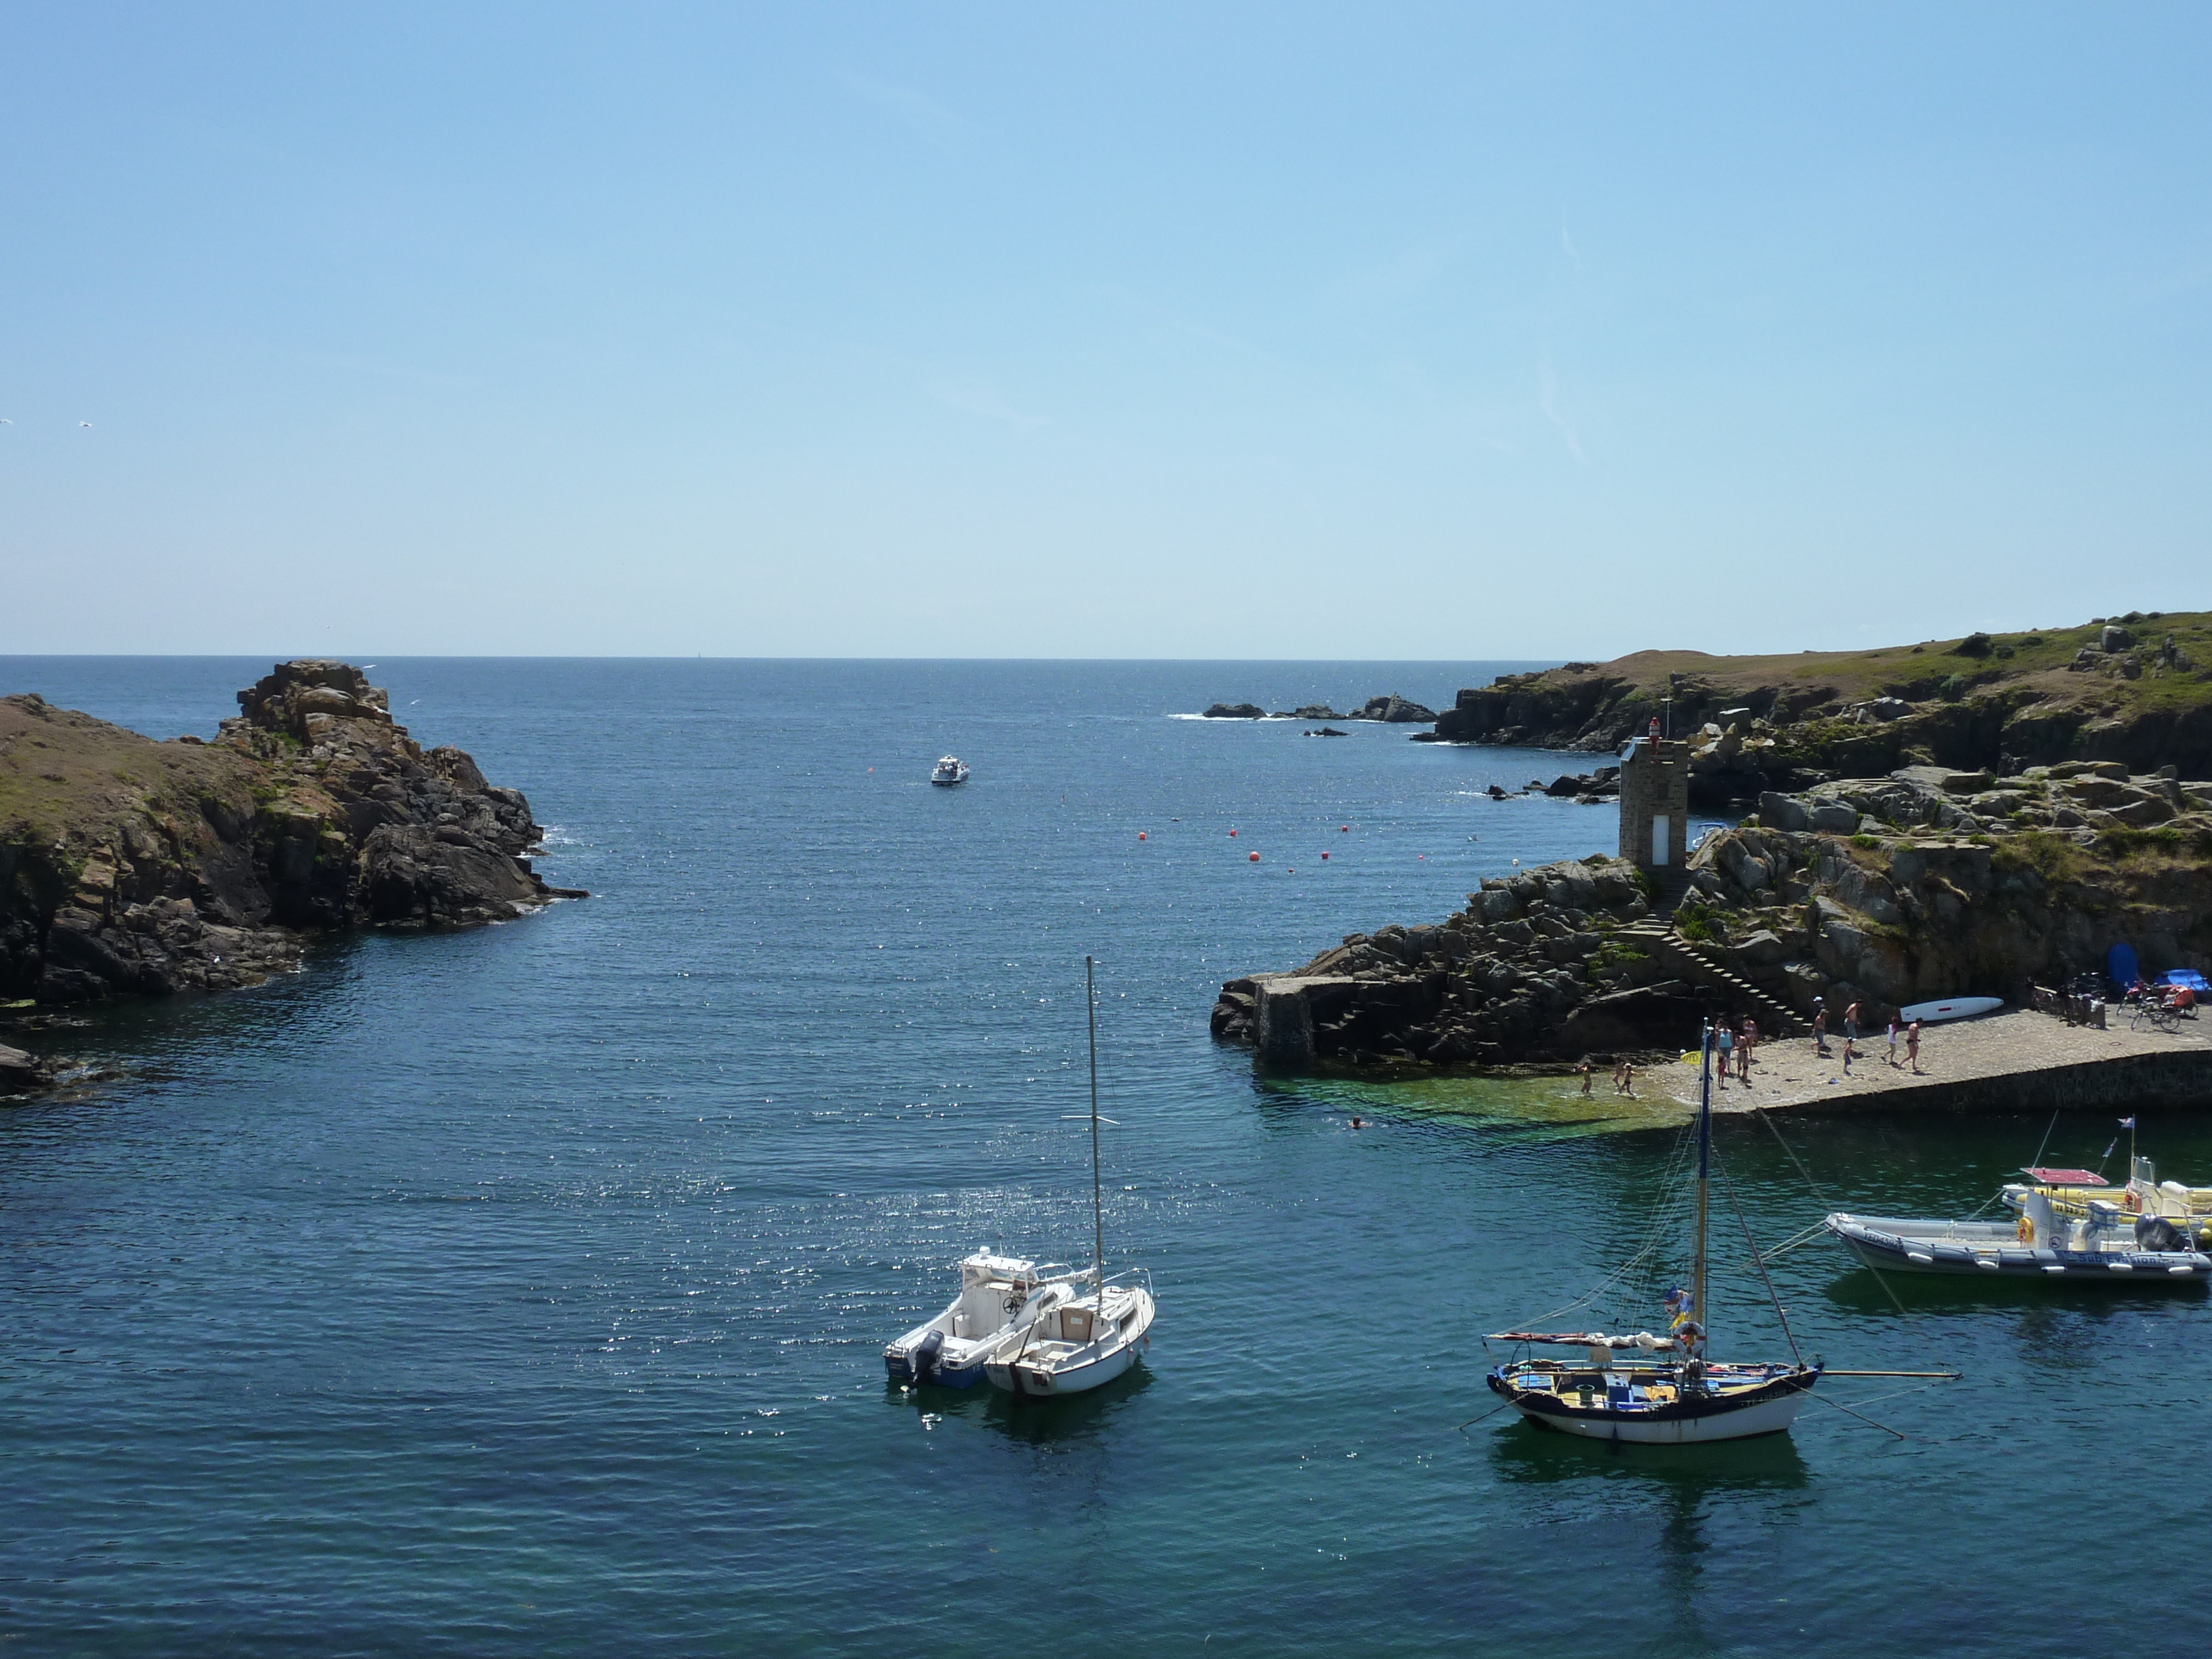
(1140, 834)
(1254, 857)
(1324, 858)
(1232, 835)
(1343, 828)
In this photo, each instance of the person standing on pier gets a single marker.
(1725, 1043)
(1912, 1046)
(1819, 1027)
(1892, 1043)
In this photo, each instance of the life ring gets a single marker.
(2025, 1230)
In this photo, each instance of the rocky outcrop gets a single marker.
(1926, 882)
(1395, 710)
(1499, 981)
(132, 866)
(2129, 690)
(20, 1073)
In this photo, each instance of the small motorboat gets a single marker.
(1000, 1296)
(949, 771)
(1079, 1343)
(2073, 1192)
(2068, 1225)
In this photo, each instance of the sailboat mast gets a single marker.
(1097, 1197)
(1704, 1151)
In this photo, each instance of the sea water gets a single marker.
(522, 1291)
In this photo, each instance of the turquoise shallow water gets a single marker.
(521, 1292)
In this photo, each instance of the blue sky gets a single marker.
(1385, 330)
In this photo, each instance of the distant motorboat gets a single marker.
(1000, 1296)
(950, 770)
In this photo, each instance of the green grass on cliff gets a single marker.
(2031, 658)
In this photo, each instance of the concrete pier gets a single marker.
(1283, 1018)
(2015, 1060)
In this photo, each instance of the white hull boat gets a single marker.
(1650, 1406)
(2069, 1226)
(1080, 1344)
(949, 771)
(1092, 1336)
(1658, 1390)
(1000, 1296)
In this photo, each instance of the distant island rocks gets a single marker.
(131, 865)
(1392, 710)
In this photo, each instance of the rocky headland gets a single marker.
(1920, 880)
(132, 866)
(2130, 688)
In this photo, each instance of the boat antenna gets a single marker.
(1700, 1311)
(1097, 1198)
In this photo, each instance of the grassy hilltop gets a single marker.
(2136, 689)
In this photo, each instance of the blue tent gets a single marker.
(2191, 977)
(2121, 967)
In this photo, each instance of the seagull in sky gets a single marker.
(84, 423)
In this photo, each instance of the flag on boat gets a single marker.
(2127, 1123)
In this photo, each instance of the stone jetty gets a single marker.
(1923, 883)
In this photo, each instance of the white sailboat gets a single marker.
(1083, 1341)
(1659, 1389)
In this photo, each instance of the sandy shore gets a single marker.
(1788, 1072)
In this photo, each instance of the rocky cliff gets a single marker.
(2130, 690)
(1921, 883)
(131, 865)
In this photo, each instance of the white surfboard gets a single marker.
(1956, 1008)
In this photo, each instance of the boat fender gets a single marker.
(2025, 1230)
(924, 1357)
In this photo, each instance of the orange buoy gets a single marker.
(1254, 857)
(1232, 835)
(1140, 834)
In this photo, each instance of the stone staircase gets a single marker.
(1659, 939)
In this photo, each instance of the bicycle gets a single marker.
(2161, 1017)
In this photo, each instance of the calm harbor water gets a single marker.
(521, 1292)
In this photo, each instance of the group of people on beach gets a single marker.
(1851, 1017)
(1623, 1076)
(1736, 1046)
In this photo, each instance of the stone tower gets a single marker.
(1655, 805)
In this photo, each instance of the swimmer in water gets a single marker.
(1357, 1124)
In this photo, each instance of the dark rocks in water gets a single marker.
(1236, 711)
(131, 865)
(1326, 732)
(1317, 711)
(1394, 710)
(1590, 787)
(20, 1073)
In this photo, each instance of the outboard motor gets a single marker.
(924, 1357)
(2155, 1232)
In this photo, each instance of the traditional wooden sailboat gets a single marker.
(1661, 1389)
(1070, 1348)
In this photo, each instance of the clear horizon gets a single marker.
(1241, 334)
